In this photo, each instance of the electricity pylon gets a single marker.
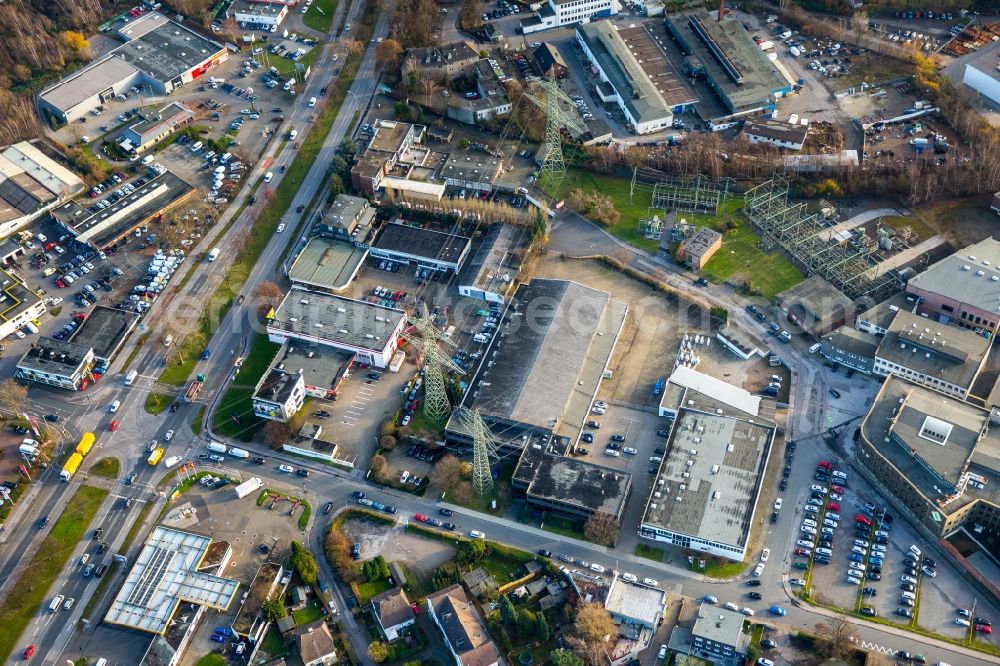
(556, 119)
(484, 447)
(426, 338)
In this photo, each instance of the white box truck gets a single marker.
(249, 487)
(216, 447)
(239, 453)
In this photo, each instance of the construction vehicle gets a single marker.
(195, 388)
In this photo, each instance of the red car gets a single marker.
(421, 518)
(863, 519)
(984, 628)
(837, 489)
(113, 426)
(803, 552)
(29, 651)
(826, 463)
(833, 506)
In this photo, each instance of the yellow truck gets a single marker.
(69, 469)
(86, 443)
(155, 456)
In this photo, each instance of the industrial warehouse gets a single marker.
(158, 56)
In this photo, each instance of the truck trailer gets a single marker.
(69, 469)
(248, 487)
(239, 453)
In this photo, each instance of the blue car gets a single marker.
(218, 638)
(778, 610)
(875, 560)
(854, 557)
(205, 354)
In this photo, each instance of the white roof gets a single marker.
(731, 395)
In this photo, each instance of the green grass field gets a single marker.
(320, 15)
(31, 590)
(107, 468)
(649, 552)
(312, 612)
(156, 403)
(369, 589)
(739, 258)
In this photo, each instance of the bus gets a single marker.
(155, 456)
(130, 377)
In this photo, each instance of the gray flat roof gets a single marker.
(974, 281)
(493, 258)
(336, 319)
(740, 70)
(110, 224)
(346, 212)
(949, 353)
(551, 359)
(814, 301)
(710, 494)
(854, 341)
(321, 366)
(55, 357)
(471, 167)
(164, 575)
(636, 601)
(777, 130)
(327, 263)
(425, 243)
(164, 49)
(575, 482)
(617, 60)
(105, 330)
(881, 315)
(719, 624)
(154, 120)
(89, 81)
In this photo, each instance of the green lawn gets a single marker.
(107, 468)
(29, 593)
(649, 552)
(312, 612)
(196, 422)
(504, 563)
(273, 643)
(136, 526)
(261, 353)
(320, 15)
(369, 589)
(740, 259)
(718, 569)
(156, 403)
(211, 660)
(287, 66)
(564, 526)
(617, 188)
(237, 399)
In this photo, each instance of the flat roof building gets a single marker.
(57, 363)
(560, 13)
(154, 126)
(31, 183)
(421, 247)
(717, 636)
(551, 351)
(347, 217)
(696, 250)
(876, 319)
(105, 330)
(108, 226)
(728, 64)
(945, 358)
(776, 133)
(636, 604)
(963, 288)
(368, 330)
(296, 371)
(159, 53)
(250, 14)
(816, 305)
(707, 488)
(18, 304)
(327, 264)
(851, 348)
(165, 575)
(570, 486)
(638, 78)
(477, 172)
(490, 274)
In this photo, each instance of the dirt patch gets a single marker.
(422, 556)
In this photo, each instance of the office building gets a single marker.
(776, 133)
(154, 125)
(57, 363)
(421, 248)
(962, 289)
(561, 13)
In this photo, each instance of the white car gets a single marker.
(797, 581)
(281, 227)
(836, 497)
(819, 489)
(476, 534)
(766, 553)
(286, 468)
(962, 622)
(652, 582)
(599, 410)
(809, 522)
(597, 567)
(856, 565)
(167, 435)
(731, 606)
(612, 453)
(629, 578)
(802, 543)
(601, 404)
(777, 504)
(809, 508)
(629, 451)
(71, 600)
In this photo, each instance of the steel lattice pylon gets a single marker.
(557, 118)
(483, 449)
(426, 338)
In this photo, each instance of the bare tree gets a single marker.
(833, 638)
(276, 434)
(602, 528)
(594, 624)
(13, 396)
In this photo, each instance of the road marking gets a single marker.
(865, 645)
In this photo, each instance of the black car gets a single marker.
(203, 456)
(52, 417)
(544, 553)
(446, 512)
(660, 451)
(174, 407)
(783, 485)
(822, 478)
(768, 644)
(869, 612)
(617, 438)
(929, 562)
(651, 470)
(322, 414)
(614, 446)
(328, 508)
(99, 571)
(873, 576)
(98, 532)
(754, 595)
(259, 461)
(449, 526)
(662, 433)
(357, 494)
(835, 393)
(390, 509)
(264, 548)
(302, 472)
(322, 91)
(869, 592)
(43, 521)
(984, 621)
(131, 479)
(101, 547)
(300, 208)
(587, 437)
(356, 551)
(753, 582)
(774, 517)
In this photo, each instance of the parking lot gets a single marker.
(876, 557)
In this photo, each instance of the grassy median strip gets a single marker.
(32, 587)
(156, 403)
(319, 16)
(108, 468)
